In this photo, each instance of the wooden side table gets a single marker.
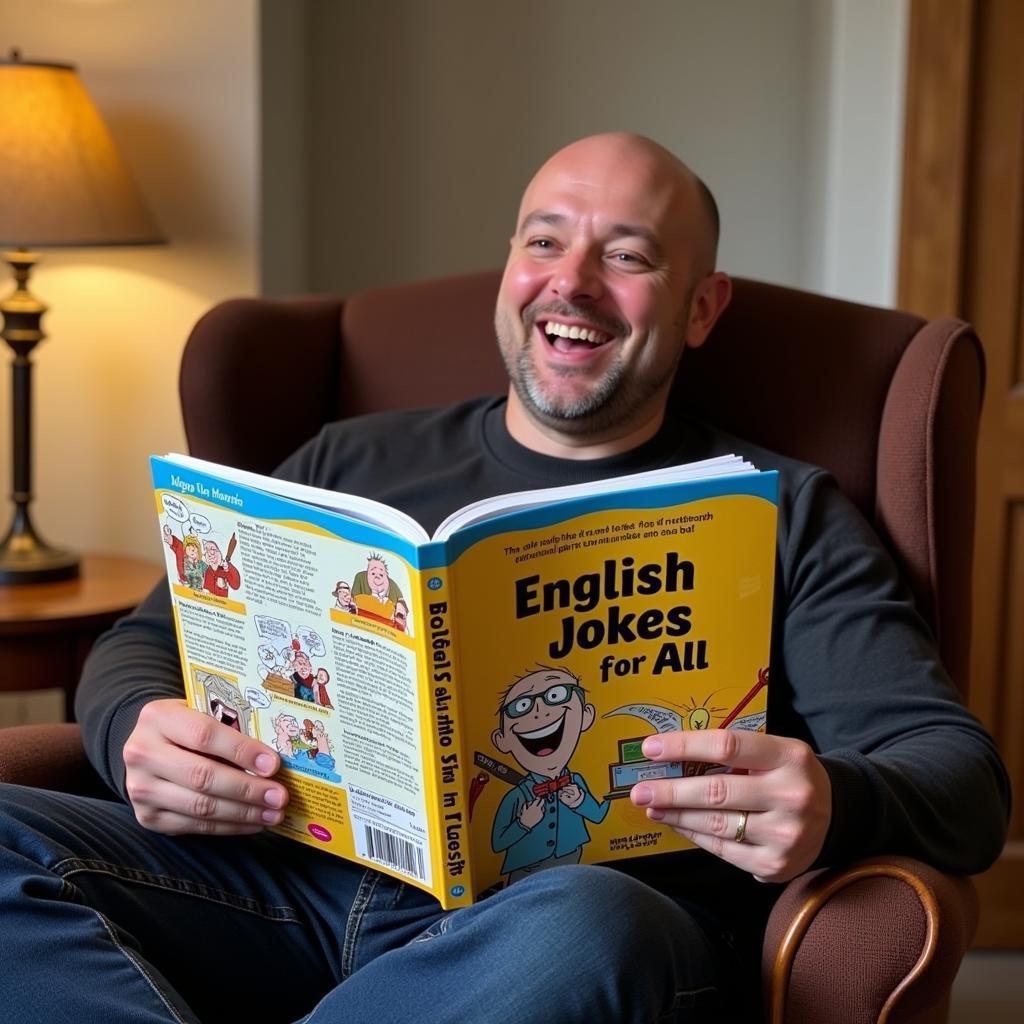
(46, 629)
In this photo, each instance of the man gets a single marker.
(375, 584)
(287, 735)
(343, 597)
(221, 575)
(302, 677)
(541, 822)
(610, 277)
(192, 570)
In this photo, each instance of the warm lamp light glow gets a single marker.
(62, 180)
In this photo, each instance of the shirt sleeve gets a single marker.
(912, 771)
(132, 664)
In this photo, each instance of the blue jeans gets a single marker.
(103, 921)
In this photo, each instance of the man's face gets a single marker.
(377, 574)
(605, 250)
(344, 592)
(286, 726)
(303, 665)
(541, 721)
(212, 553)
(191, 553)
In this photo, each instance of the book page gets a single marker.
(364, 510)
(303, 629)
(502, 504)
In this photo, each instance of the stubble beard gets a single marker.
(613, 400)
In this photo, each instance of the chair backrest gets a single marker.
(885, 401)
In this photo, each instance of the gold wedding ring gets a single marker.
(741, 828)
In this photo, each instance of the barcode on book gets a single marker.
(393, 851)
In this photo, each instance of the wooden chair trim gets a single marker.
(824, 888)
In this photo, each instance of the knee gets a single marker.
(608, 915)
(630, 950)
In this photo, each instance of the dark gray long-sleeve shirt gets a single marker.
(854, 668)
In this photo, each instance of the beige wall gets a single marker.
(428, 118)
(425, 119)
(291, 145)
(176, 82)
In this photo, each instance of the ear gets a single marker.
(588, 717)
(710, 298)
(498, 739)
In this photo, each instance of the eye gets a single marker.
(557, 695)
(629, 260)
(541, 245)
(521, 706)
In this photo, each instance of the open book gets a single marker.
(459, 710)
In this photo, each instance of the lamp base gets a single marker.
(24, 556)
(34, 562)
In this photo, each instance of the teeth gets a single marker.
(574, 333)
(541, 733)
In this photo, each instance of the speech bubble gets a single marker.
(311, 642)
(663, 719)
(267, 654)
(174, 508)
(272, 629)
(200, 524)
(751, 723)
(257, 698)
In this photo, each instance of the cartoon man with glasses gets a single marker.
(541, 823)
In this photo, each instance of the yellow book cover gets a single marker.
(460, 710)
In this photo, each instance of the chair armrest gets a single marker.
(877, 941)
(48, 756)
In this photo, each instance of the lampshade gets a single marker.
(62, 180)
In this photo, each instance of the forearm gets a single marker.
(130, 665)
(912, 771)
(931, 797)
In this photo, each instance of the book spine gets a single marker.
(448, 769)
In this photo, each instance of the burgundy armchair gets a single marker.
(888, 403)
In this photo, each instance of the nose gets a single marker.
(577, 277)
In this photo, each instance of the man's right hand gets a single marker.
(186, 772)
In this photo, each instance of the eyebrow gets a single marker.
(617, 230)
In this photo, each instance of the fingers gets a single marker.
(184, 773)
(718, 791)
(784, 790)
(169, 808)
(723, 825)
(181, 725)
(758, 860)
(734, 748)
(205, 781)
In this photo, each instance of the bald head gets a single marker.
(610, 276)
(627, 160)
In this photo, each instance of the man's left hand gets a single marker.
(786, 794)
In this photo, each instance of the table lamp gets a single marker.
(62, 183)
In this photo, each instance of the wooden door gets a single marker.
(962, 254)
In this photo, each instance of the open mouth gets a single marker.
(542, 742)
(566, 338)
